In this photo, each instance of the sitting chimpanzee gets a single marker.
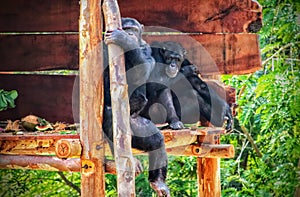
(214, 109)
(145, 135)
(168, 56)
(182, 91)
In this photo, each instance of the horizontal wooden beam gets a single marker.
(216, 54)
(39, 16)
(212, 53)
(205, 150)
(38, 52)
(212, 16)
(39, 163)
(48, 163)
(178, 142)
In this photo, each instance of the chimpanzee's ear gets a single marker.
(142, 28)
(184, 53)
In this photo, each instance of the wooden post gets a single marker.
(120, 106)
(91, 98)
(208, 177)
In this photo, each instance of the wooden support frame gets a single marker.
(91, 98)
(125, 163)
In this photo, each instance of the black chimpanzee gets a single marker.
(168, 57)
(145, 135)
(211, 105)
(182, 91)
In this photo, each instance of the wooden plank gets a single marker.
(55, 98)
(218, 53)
(39, 16)
(91, 99)
(125, 162)
(213, 53)
(213, 16)
(38, 52)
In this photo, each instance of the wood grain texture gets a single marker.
(204, 16)
(213, 16)
(212, 53)
(125, 163)
(218, 53)
(38, 52)
(55, 98)
(91, 99)
(39, 16)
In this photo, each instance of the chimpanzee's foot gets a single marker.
(160, 187)
(176, 125)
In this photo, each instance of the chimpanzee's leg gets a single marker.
(166, 99)
(146, 136)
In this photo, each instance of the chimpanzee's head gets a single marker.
(173, 55)
(133, 28)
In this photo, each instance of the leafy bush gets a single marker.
(7, 99)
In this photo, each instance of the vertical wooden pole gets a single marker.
(91, 98)
(208, 177)
(120, 105)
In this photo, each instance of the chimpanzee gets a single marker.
(196, 98)
(168, 57)
(145, 135)
(211, 105)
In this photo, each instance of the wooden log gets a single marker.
(39, 163)
(67, 148)
(125, 163)
(207, 151)
(208, 177)
(47, 163)
(28, 147)
(91, 99)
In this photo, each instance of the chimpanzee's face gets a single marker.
(132, 28)
(173, 61)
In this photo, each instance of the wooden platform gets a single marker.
(61, 151)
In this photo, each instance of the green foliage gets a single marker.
(269, 107)
(182, 179)
(7, 99)
(25, 183)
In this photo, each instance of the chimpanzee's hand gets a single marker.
(138, 167)
(228, 118)
(121, 38)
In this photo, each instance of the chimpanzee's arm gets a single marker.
(166, 99)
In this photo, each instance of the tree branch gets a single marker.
(282, 48)
(245, 131)
(69, 183)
